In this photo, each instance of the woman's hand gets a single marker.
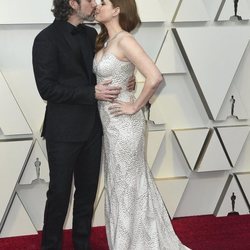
(122, 108)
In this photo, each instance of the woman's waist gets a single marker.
(124, 97)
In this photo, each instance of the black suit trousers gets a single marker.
(80, 160)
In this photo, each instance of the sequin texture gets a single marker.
(136, 218)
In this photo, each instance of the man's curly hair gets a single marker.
(62, 10)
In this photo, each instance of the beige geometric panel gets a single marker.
(170, 161)
(13, 155)
(208, 52)
(157, 112)
(175, 104)
(16, 66)
(18, 222)
(192, 11)
(150, 11)
(28, 194)
(154, 140)
(214, 158)
(212, 7)
(170, 7)
(242, 164)
(233, 107)
(41, 141)
(146, 36)
(99, 217)
(202, 193)
(36, 12)
(244, 179)
(12, 121)
(228, 10)
(191, 142)
(22, 84)
(240, 80)
(226, 203)
(30, 172)
(234, 139)
(170, 60)
(171, 191)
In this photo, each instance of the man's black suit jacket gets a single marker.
(63, 73)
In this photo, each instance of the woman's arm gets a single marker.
(136, 55)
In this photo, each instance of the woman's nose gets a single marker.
(94, 4)
(98, 6)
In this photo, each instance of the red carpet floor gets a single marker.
(198, 233)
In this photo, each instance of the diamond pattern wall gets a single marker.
(187, 13)
(198, 140)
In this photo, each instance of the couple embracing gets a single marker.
(86, 79)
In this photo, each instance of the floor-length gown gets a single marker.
(136, 218)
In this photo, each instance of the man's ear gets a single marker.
(116, 11)
(73, 4)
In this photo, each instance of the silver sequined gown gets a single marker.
(136, 218)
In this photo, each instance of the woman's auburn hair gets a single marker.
(128, 20)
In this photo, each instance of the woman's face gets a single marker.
(105, 11)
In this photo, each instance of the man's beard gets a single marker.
(91, 17)
(84, 17)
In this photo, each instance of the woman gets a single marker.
(136, 218)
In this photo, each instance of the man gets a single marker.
(62, 61)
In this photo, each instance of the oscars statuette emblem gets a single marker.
(233, 212)
(152, 126)
(232, 100)
(37, 164)
(235, 17)
(33, 195)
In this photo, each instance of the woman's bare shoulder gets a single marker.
(126, 40)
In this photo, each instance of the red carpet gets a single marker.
(197, 232)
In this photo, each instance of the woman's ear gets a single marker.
(116, 11)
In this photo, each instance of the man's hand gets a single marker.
(131, 84)
(104, 92)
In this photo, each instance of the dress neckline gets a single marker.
(110, 54)
(112, 38)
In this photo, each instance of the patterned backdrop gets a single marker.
(198, 135)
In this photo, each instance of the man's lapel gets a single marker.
(86, 48)
(65, 32)
(87, 53)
